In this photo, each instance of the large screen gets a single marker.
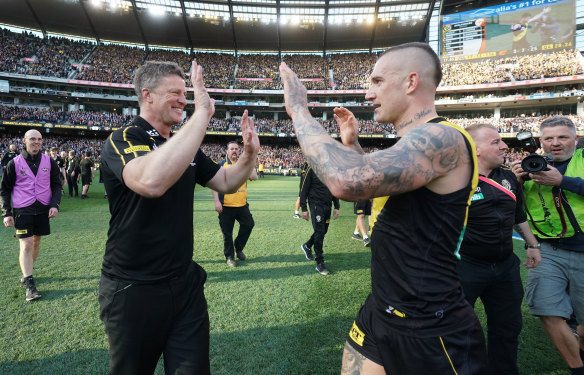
(514, 28)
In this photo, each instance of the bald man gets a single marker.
(30, 195)
(416, 318)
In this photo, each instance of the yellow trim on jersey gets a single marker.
(128, 142)
(474, 181)
(357, 335)
(116, 149)
(133, 149)
(376, 207)
(304, 180)
(447, 356)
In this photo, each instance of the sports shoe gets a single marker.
(296, 216)
(367, 241)
(231, 262)
(31, 291)
(321, 268)
(307, 251)
(357, 237)
(240, 255)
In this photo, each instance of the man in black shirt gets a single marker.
(9, 155)
(73, 171)
(319, 198)
(488, 268)
(31, 193)
(151, 292)
(87, 173)
(60, 162)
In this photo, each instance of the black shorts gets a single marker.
(145, 321)
(86, 179)
(362, 208)
(29, 225)
(462, 352)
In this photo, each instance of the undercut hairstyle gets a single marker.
(474, 128)
(151, 73)
(433, 58)
(557, 121)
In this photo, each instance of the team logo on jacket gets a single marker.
(45, 169)
(318, 218)
(152, 133)
(506, 184)
(23, 172)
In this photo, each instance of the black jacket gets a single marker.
(315, 191)
(493, 212)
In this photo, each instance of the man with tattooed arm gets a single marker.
(416, 318)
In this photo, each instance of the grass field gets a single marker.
(273, 314)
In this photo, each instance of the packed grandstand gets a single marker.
(57, 66)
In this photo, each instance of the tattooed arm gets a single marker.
(425, 154)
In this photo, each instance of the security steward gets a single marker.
(232, 207)
(489, 269)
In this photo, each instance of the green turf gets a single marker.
(273, 314)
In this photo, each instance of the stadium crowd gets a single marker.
(46, 114)
(351, 71)
(112, 63)
(516, 68)
(59, 57)
(218, 69)
(51, 57)
(263, 125)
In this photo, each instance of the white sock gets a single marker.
(355, 233)
(296, 212)
(366, 237)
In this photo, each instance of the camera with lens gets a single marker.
(533, 162)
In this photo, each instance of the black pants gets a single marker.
(72, 183)
(227, 221)
(500, 289)
(143, 321)
(321, 215)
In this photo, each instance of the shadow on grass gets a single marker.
(307, 348)
(88, 361)
(292, 265)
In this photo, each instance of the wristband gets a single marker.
(538, 246)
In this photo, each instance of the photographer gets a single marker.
(555, 210)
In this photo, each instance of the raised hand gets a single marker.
(348, 125)
(251, 142)
(203, 102)
(294, 92)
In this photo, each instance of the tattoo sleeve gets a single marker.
(426, 152)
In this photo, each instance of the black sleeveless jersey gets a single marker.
(414, 248)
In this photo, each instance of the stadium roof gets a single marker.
(241, 25)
